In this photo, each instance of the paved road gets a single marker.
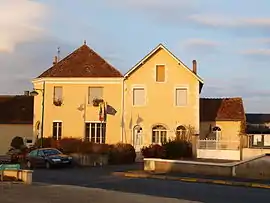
(98, 184)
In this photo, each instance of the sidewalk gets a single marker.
(197, 179)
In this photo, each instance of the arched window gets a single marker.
(216, 132)
(159, 134)
(181, 132)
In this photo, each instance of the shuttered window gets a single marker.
(138, 97)
(160, 73)
(181, 97)
(57, 93)
(95, 93)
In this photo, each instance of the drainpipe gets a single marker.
(123, 110)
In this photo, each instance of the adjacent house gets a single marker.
(258, 130)
(222, 128)
(85, 97)
(16, 119)
(222, 118)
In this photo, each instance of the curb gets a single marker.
(194, 180)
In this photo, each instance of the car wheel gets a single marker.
(28, 165)
(48, 165)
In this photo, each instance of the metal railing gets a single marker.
(218, 144)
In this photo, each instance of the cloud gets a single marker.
(161, 11)
(215, 20)
(199, 46)
(26, 62)
(256, 52)
(20, 21)
(154, 4)
(200, 43)
(256, 99)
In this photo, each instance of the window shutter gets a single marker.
(57, 93)
(160, 73)
(138, 96)
(95, 93)
(181, 97)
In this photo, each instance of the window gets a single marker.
(160, 73)
(95, 132)
(181, 133)
(138, 97)
(57, 130)
(33, 153)
(216, 133)
(181, 96)
(94, 93)
(159, 134)
(57, 94)
(41, 153)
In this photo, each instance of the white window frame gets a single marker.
(218, 133)
(88, 94)
(181, 131)
(186, 87)
(95, 123)
(54, 96)
(165, 67)
(57, 132)
(158, 135)
(132, 97)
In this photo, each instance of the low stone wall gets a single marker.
(255, 168)
(90, 159)
(218, 154)
(22, 175)
(167, 166)
(253, 152)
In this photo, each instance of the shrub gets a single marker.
(173, 149)
(17, 142)
(70, 145)
(176, 149)
(47, 142)
(153, 151)
(121, 154)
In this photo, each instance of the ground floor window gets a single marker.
(95, 132)
(57, 130)
(159, 134)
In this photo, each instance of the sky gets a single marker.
(229, 39)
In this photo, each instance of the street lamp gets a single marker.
(35, 93)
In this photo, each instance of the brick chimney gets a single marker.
(194, 63)
(55, 60)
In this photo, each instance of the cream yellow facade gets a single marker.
(160, 98)
(159, 108)
(230, 130)
(76, 110)
(9, 131)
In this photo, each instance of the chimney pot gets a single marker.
(194, 62)
(55, 60)
(26, 93)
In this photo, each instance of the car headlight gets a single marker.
(55, 160)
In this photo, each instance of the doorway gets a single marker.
(137, 138)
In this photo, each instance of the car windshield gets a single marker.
(49, 152)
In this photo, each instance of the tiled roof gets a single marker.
(257, 118)
(16, 109)
(221, 109)
(83, 62)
